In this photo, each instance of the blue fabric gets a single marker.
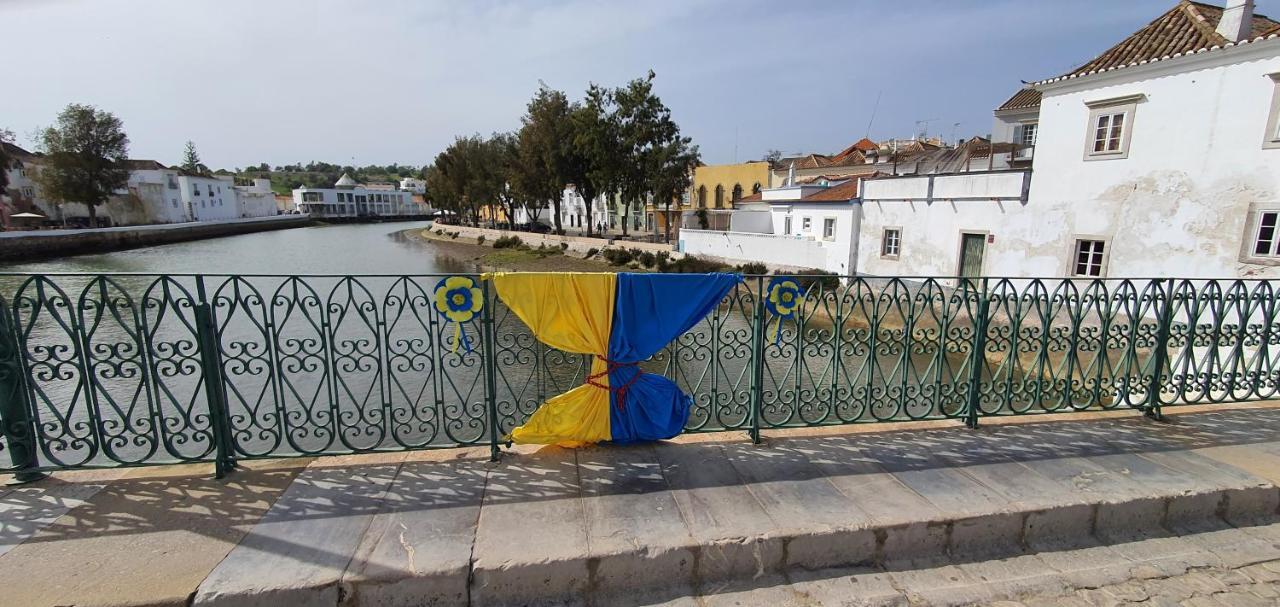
(651, 310)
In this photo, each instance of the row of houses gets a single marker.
(1160, 156)
(155, 193)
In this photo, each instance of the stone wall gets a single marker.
(578, 244)
(26, 246)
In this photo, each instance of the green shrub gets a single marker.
(453, 235)
(591, 253)
(564, 246)
(696, 265)
(617, 257)
(439, 232)
(647, 259)
(751, 267)
(480, 239)
(508, 242)
(662, 261)
(829, 281)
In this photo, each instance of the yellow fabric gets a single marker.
(569, 311)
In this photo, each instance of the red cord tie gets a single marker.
(620, 390)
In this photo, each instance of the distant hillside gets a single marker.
(322, 174)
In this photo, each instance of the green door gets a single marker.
(971, 248)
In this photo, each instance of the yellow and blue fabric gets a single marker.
(458, 299)
(621, 320)
(782, 298)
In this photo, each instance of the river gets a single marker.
(333, 249)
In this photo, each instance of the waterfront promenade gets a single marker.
(37, 244)
(1023, 509)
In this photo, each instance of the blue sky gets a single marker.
(349, 81)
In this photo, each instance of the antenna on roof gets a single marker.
(875, 108)
(922, 128)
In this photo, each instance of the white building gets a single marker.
(256, 200)
(350, 199)
(573, 211)
(413, 185)
(794, 226)
(1159, 157)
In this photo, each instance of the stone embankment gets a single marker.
(40, 244)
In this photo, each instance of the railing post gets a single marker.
(15, 404)
(211, 362)
(757, 360)
(488, 359)
(1151, 408)
(978, 357)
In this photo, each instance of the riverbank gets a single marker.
(488, 259)
(43, 244)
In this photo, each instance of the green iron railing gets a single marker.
(137, 369)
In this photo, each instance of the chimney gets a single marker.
(1237, 20)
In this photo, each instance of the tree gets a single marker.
(545, 143)
(191, 160)
(772, 157)
(85, 157)
(656, 161)
(6, 137)
(594, 162)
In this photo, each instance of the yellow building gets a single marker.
(719, 186)
(715, 188)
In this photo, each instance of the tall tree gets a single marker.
(594, 160)
(191, 159)
(545, 143)
(653, 153)
(85, 157)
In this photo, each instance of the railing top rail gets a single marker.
(802, 275)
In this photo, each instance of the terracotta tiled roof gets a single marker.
(811, 161)
(837, 193)
(756, 197)
(1186, 28)
(1025, 98)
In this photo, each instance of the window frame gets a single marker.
(1103, 264)
(1249, 239)
(806, 224)
(829, 222)
(1271, 136)
(884, 242)
(1117, 106)
(787, 225)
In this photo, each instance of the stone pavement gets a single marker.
(1028, 509)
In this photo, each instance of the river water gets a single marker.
(336, 249)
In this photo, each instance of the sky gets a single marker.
(364, 82)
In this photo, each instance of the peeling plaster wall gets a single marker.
(1179, 204)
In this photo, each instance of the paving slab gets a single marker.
(149, 537)
(531, 540)
(635, 530)
(26, 509)
(297, 553)
(417, 549)
(730, 525)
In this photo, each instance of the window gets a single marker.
(891, 242)
(1028, 135)
(1265, 239)
(719, 196)
(175, 203)
(1089, 258)
(195, 189)
(755, 189)
(1271, 139)
(829, 227)
(1107, 132)
(806, 224)
(786, 225)
(737, 193)
(1110, 127)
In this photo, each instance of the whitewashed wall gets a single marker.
(748, 246)
(1179, 204)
